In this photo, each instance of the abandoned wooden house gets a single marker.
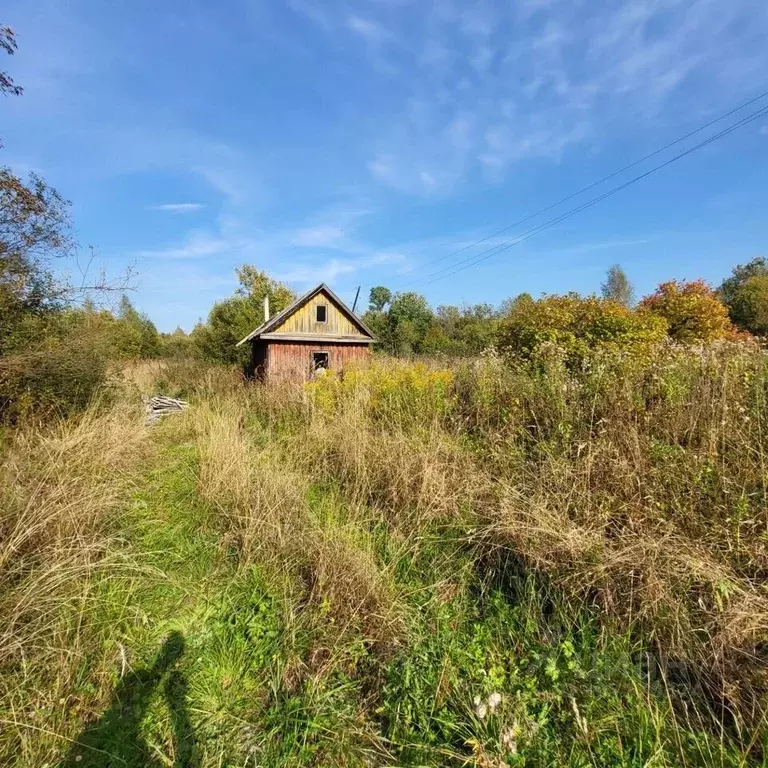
(318, 332)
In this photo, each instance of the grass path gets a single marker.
(194, 627)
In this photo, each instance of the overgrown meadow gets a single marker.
(417, 564)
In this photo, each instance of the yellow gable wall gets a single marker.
(303, 320)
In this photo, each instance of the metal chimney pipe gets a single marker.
(266, 308)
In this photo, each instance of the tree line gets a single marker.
(685, 311)
(57, 344)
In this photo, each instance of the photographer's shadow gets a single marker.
(115, 740)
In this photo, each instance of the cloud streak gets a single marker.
(321, 236)
(488, 88)
(178, 207)
(295, 255)
(331, 270)
(197, 245)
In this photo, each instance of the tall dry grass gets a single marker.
(636, 486)
(185, 377)
(316, 552)
(60, 487)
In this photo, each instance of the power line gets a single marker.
(589, 186)
(495, 250)
(483, 255)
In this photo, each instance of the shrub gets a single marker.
(693, 311)
(390, 391)
(177, 345)
(748, 306)
(56, 363)
(745, 293)
(576, 326)
(57, 379)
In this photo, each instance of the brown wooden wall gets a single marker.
(293, 360)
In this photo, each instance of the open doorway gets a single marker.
(319, 362)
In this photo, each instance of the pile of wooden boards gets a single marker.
(159, 406)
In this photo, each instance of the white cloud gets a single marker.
(288, 254)
(538, 78)
(326, 272)
(321, 236)
(313, 12)
(178, 207)
(506, 143)
(197, 245)
(764, 130)
(369, 30)
(330, 270)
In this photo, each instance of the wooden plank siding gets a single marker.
(303, 321)
(293, 360)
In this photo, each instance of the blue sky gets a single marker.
(352, 142)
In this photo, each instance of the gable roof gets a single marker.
(274, 322)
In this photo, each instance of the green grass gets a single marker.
(215, 669)
(197, 633)
(225, 672)
(387, 628)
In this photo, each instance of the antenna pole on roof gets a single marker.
(354, 304)
(266, 308)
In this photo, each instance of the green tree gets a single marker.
(150, 338)
(34, 227)
(693, 311)
(177, 344)
(409, 319)
(749, 305)
(378, 323)
(467, 330)
(745, 293)
(509, 305)
(255, 284)
(379, 298)
(233, 319)
(617, 287)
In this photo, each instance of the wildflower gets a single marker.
(508, 740)
(481, 708)
(493, 701)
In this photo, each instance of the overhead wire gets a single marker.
(592, 185)
(501, 247)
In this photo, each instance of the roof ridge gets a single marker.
(267, 325)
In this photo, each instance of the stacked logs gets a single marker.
(159, 406)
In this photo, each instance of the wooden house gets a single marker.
(317, 332)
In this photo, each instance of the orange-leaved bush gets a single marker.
(693, 311)
(576, 326)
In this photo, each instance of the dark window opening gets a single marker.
(319, 361)
(321, 313)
